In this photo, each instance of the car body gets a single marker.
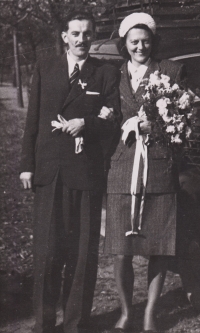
(192, 63)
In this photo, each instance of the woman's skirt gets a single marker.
(158, 234)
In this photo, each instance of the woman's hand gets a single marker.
(26, 179)
(74, 126)
(145, 127)
(106, 113)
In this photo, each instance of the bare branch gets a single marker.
(22, 18)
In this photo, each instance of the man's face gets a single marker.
(79, 37)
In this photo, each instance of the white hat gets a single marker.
(136, 18)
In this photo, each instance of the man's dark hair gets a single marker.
(77, 15)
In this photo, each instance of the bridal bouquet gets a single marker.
(169, 108)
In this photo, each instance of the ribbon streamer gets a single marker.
(141, 151)
(79, 142)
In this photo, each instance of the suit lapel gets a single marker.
(86, 76)
(126, 91)
(154, 66)
(61, 76)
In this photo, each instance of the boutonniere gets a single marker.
(82, 84)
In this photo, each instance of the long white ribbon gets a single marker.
(79, 142)
(141, 151)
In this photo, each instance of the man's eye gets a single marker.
(88, 34)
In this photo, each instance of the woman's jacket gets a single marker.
(162, 175)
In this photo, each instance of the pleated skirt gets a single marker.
(158, 234)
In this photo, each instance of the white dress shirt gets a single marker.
(72, 63)
(137, 73)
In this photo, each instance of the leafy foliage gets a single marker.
(16, 206)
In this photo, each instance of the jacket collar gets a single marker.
(86, 76)
(125, 85)
(153, 66)
(61, 78)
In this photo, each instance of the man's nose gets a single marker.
(81, 38)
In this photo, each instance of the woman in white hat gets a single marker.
(154, 218)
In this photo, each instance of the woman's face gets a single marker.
(139, 45)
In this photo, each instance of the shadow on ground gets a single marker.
(173, 307)
(15, 297)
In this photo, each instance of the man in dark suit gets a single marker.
(66, 167)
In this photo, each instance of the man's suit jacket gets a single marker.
(44, 152)
(161, 178)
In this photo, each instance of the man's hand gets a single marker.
(145, 127)
(26, 178)
(75, 127)
(106, 113)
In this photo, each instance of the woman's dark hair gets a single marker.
(155, 42)
(77, 15)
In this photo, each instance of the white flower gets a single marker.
(162, 106)
(163, 112)
(180, 127)
(165, 78)
(176, 139)
(166, 118)
(177, 118)
(161, 91)
(170, 129)
(184, 101)
(188, 132)
(162, 102)
(147, 95)
(168, 89)
(189, 115)
(83, 84)
(169, 100)
(165, 81)
(154, 79)
(175, 87)
(156, 73)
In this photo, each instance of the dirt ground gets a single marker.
(175, 313)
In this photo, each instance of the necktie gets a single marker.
(74, 74)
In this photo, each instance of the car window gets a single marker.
(193, 72)
(192, 152)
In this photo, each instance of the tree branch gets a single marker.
(22, 18)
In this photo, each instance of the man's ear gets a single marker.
(64, 37)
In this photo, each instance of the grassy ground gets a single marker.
(175, 314)
(16, 231)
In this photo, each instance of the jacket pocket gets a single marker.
(92, 99)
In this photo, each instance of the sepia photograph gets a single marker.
(100, 166)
